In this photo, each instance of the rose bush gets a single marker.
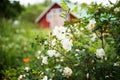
(74, 52)
(79, 51)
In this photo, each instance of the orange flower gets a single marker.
(4, 79)
(26, 60)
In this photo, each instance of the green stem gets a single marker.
(102, 40)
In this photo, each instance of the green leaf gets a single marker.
(32, 45)
(63, 15)
(64, 5)
(75, 9)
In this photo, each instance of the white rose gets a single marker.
(45, 60)
(27, 69)
(91, 24)
(51, 53)
(59, 29)
(100, 53)
(87, 75)
(117, 64)
(67, 72)
(93, 37)
(20, 77)
(59, 32)
(117, 9)
(45, 78)
(57, 54)
(67, 44)
(60, 36)
(38, 51)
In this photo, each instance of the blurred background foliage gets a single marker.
(10, 9)
(33, 11)
(17, 34)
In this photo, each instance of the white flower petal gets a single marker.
(45, 60)
(45, 78)
(67, 72)
(67, 44)
(51, 53)
(100, 53)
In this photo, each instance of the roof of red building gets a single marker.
(45, 12)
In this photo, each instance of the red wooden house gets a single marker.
(51, 17)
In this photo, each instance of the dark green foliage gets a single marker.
(32, 12)
(47, 2)
(108, 30)
(10, 9)
(108, 22)
(15, 45)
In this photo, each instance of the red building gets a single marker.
(51, 17)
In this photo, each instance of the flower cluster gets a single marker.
(59, 32)
(117, 9)
(27, 69)
(45, 78)
(45, 60)
(63, 34)
(91, 24)
(21, 77)
(64, 45)
(52, 53)
(67, 72)
(67, 44)
(100, 53)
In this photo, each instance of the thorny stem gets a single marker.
(73, 33)
(97, 35)
(68, 58)
(68, 19)
(68, 16)
(102, 37)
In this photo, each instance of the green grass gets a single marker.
(16, 43)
